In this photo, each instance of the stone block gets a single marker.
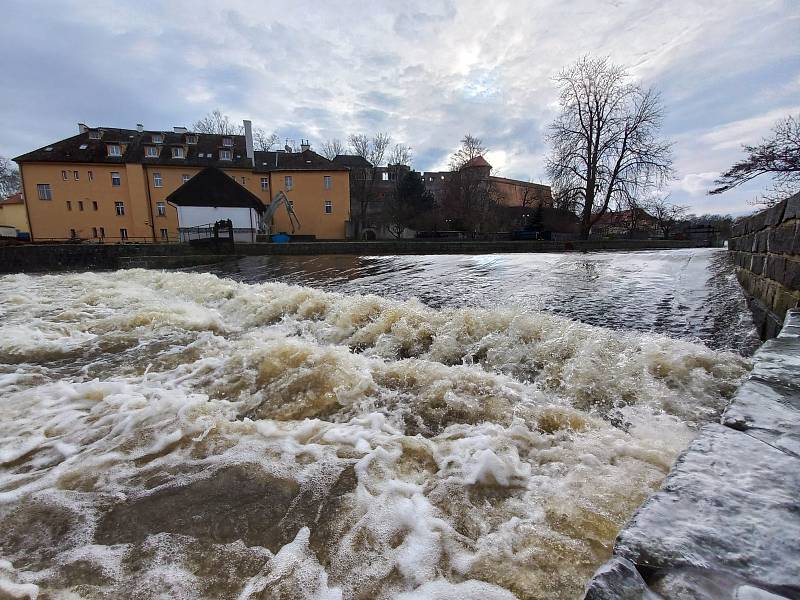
(757, 263)
(792, 210)
(774, 214)
(781, 238)
(739, 228)
(617, 579)
(775, 267)
(729, 504)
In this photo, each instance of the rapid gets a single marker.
(191, 435)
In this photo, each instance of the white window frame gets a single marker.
(327, 182)
(225, 154)
(265, 184)
(227, 142)
(157, 138)
(44, 192)
(164, 234)
(151, 151)
(119, 208)
(95, 135)
(123, 233)
(288, 182)
(328, 207)
(161, 209)
(177, 152)
(158, 181)
(114, 150)
(191, 139)
(185, 177)
(76, 175)
(65, 175)
(116, 175)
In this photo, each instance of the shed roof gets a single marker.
(213, 187)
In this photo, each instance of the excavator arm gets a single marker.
(279, 200)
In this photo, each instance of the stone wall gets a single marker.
(726, 523)
(766, 250)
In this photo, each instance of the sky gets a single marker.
(427, 72)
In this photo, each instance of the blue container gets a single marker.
(280, 238)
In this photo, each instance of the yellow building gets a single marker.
(112, 184)
(13, 214)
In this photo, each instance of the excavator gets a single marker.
(278, 200)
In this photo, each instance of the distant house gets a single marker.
(212, 196)
(13, 214)
(632, 223)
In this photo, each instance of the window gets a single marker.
(151, 151)
(177, 152)
(158, 138)
(64, 175)
(191, 139)
(116, 180)
(73, 234)
(185, 177)
(385, 176)
(328, 207)
(90, 175)
(328, 182)
(157, 181)
(114, 150)
(94, 232)
(123, 234)
(102, 232)
(75, 176)
(161, 208)
(95, 135)
(83, 146)
(287, 182)
(69, 205)
(243, 180)
(226, 141)
(80, 204)
(225, 155)
(44, 191)
(120, 208)
(94, 204)
(164, 235)
(265, 184)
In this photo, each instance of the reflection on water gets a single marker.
(690, 294)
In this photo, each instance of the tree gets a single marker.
(216, 122)
(410, 206)
(667, 215)
(778, 156)
(362, 184)
(332, 148)
(264, 141)
(605, 146)
(10, 182)
(400, 155)
(471, 147)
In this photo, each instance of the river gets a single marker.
(351, 427)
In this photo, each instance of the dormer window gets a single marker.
(158, 138)
(224, 154)
(191, 139)
(177, 152)
(226, 141)
(114, 150)
(151, 151)
(95, 134)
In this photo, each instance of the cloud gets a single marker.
(427, 72)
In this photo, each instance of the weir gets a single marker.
(726, 523)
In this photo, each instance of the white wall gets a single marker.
(193, 216)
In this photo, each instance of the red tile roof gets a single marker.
(13, 199)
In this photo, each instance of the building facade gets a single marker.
(13, 213)
(112, 184)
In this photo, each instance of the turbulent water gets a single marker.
(184, 435)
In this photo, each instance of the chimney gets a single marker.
(82, 128)
(139, 127)
(304, 145)
(248, 139)
(179, 129)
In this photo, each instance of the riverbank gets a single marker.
(726, 523)
(77, 257)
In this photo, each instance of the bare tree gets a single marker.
(264, 141)
(332, 148)
(778, 156)
(362, 184)
(216, 122)
(400, 155)
(471, 147)
(666, 214)
(604, 143)
(10, 182)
